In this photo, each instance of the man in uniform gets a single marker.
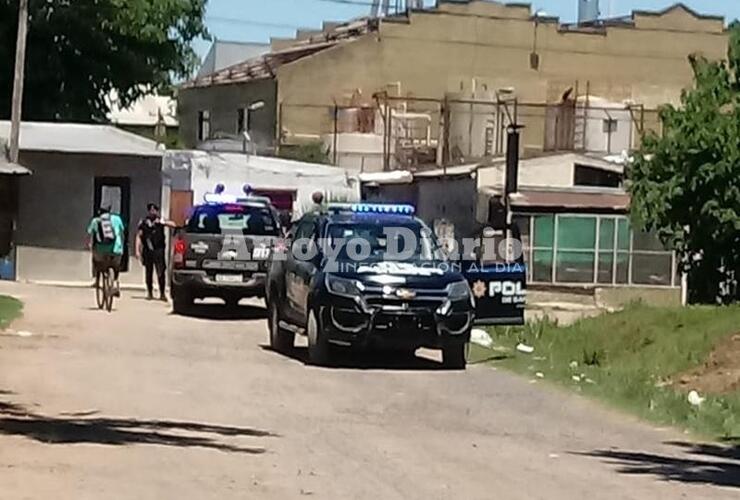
(151, 246)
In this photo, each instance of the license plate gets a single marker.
(229, 278)
(236, 265)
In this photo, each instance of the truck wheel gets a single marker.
(182, 302)
(455, 356)
(281, 340)
(318, 347)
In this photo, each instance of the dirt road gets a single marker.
(140, 404)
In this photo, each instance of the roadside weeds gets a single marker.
(648, 361)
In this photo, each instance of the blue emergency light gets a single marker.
(382, 208)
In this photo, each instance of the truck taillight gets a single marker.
(178, 259)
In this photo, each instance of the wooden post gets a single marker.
(20, 60)
(336, 133)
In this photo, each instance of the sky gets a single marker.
(258, 20)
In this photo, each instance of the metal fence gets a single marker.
(391, 133)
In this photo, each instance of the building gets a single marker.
(75, 169)
(571, 211)
(9, 175)
(190, 175)
(469, 63)
(223, 54)
(152, 116)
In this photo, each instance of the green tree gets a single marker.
(80, 50)
(311, 152)
(685, 183)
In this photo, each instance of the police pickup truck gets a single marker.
(223, 251)
(367, 276)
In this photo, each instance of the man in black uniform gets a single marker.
(151, 246)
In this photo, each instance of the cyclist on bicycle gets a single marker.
(105, 238)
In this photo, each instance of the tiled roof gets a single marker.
(263, 67)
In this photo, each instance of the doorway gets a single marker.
(115, 192)
(8, 213)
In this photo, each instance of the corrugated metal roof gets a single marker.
(616, 199)
(80, 138)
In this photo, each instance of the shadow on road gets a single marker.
(704, 463)
(17, 421)
(223, 313)
(370, 360)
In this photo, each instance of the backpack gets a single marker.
(106, 235)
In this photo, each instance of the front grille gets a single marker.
(424, 300)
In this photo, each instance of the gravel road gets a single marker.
(141, 404)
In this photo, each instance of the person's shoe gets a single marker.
(149, 296)
(163, 298)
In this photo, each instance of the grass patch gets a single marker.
(10, 309)
(628, 358)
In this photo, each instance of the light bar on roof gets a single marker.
(377, 208)
(220, 198)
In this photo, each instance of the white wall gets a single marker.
(548, 171)
(357, 152)
(596, 139)
(234, 170)
(38, 264)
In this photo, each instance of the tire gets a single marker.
(182, 302)
(100, 291)
(281, 340)
(318, 347)
(455, 356)
(110, 286)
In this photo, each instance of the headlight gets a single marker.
(343, 287)
(458, 290)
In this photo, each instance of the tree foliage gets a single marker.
(80, 50)
(311, 152)
(685, 183)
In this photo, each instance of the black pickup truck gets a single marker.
(340, 281)
(223, 252)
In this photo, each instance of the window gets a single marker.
(489, 140)
(204, 125)
(233, 219)
(597, 250)
(610, 125)
(584, 175)
(576, 241)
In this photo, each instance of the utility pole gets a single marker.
(20, 61)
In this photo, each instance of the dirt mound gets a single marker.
(720, 374)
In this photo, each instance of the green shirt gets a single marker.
(115, 248)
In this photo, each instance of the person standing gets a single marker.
(151, 246)
(317, 199)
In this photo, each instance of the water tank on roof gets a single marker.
(588, 10)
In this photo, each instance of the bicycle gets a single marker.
(105, 289)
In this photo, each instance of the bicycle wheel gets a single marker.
(100, 290)
(110, 285)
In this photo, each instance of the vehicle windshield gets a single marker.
(403, 242)
(233, 219)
